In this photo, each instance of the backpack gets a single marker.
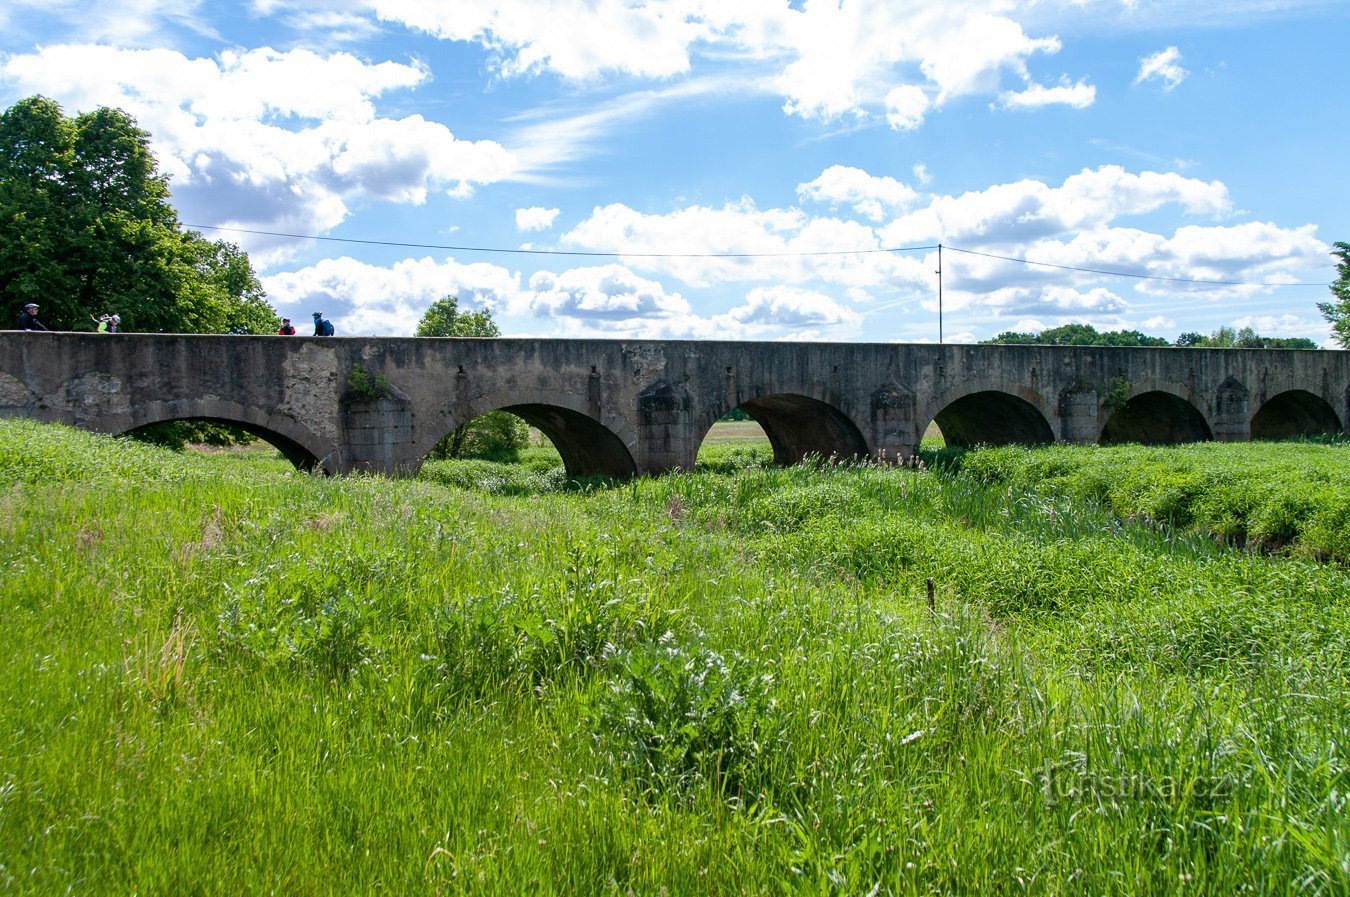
(328, 328)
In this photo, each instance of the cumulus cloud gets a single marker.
(535, 218)
(1077, 96)
(870, 196)
(388, 301)
(906, 106)
(605, 296)
(827, 60)
(1026, 209)
(269, 139)
(1164, 66)
(792, 308)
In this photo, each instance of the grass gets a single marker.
(1290, 497)
(224, 677)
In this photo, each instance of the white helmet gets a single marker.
(116, 319)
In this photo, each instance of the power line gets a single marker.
(641, 255)
(1224, 283)
(750, 255)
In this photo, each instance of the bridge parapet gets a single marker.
(620, 407)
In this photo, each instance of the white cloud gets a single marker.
(792, 308)
(1025, 210)
(535, 218)
(922, 175)
(577, 41)
(827, 60)
(871, 196)
(262, 138)
(1164, 66)
(369, 299)
(905, 107)
(1078, 96)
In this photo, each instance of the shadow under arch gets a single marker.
(1295, 413)
(992, 417)
(587, 447)
(799, 426)
(1156, 417)
(296, 444)
(292, 451)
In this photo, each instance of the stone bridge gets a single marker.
(625, 407)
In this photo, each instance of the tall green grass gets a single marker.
(1292, 497)
(225, 678)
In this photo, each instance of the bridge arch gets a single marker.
(798, 424)
(1294, 413)
(985, 414)
(1156, 414)
(588, 447)
(296, 442)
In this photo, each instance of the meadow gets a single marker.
(223, 676)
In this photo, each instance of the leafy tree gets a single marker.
(1337, 312)
(497, 434)
(1246, 338)
(444, 318)
(86, 226)
(1077, 335)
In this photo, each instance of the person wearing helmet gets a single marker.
(108, 323)
(28, 319)
(322, 327)
(287, 328)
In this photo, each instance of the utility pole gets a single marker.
(939, 274)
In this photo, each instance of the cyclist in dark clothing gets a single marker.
(322, 327)
(29, 320)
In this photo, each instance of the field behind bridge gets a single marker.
(224, 677)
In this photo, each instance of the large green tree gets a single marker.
(444, 318)
(497, 434)
(1337, 312)
(86, 226)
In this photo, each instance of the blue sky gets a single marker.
(1182, 139)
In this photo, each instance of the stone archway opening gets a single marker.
(162, 432)
(991, 417)
(587, 448)
(1295, 414)
(1156, 418)
(734, 439)
(798, 427)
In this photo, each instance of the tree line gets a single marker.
(1087, 335)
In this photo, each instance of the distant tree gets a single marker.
(1246, 338)
(1337, 312)
(444, 318)
(1077, 335)
(497, 434)
(86, 227)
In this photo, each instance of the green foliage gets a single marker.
(444, 318)
(682, 717)
(362, 384)
(1337, 312)
(497, 435)
(221, 677)
(1286, 497)
(177, 435)
(1087, 335)
(1246, 338)
(1076, 335)
(86, 227)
